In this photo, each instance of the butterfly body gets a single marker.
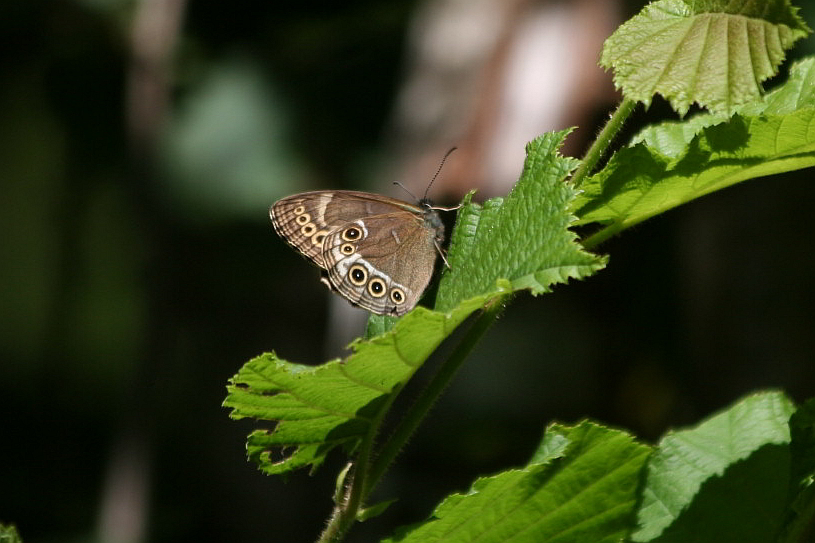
(377, 252)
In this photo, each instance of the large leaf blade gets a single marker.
(640, 182)
(673, 163)
(523, 238)
(671, 138)
(715, 53)
(738, 457)
(319, 408)
(580, 486)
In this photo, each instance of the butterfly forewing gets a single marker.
(305, 219)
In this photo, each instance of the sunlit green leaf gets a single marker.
(671, 138)
(739, 459)
(580, 487)
(675, 163)
(715, 53)
(524, 237)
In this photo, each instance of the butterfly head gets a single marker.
(432, 218)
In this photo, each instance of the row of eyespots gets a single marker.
(350, 234)
(358, 275)
(308, 228)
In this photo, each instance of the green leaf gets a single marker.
(496, 249)
(372, 511)
(798, 92)
(9, 534)
(523, 238)
(318, 408)
(580, 487)
(639, 182)
(675, 163)
(738, 457)
(379, 324)
(715, 53)
(800, 522)
(671, 138)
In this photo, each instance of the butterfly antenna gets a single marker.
(404, 188)
(447, 154)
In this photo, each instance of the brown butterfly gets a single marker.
(376, 252)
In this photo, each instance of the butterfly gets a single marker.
(376, 252)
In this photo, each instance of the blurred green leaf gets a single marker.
(226, 147)
(9, 534)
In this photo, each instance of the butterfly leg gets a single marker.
(441, 252)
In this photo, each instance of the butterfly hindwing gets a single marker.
(382, 263)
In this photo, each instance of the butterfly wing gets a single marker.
(383, 262)
(304, 220)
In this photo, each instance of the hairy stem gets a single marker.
(603, 141)
(345, 511)
(431, 393)
(366, 474)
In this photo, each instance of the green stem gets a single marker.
(366, 476)
(603, 141)
(431, 393)
(345, 512)
(601, 235)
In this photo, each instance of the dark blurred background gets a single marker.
(141, 145)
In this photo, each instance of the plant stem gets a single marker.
(601, 235)
(431, 393)
(603, 141)
(365, 478)
(345, 512)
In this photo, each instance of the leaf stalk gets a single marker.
(603, 141)
(421, 407)
(367, 475)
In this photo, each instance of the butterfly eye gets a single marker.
(299, 210)
(302, 219)
(358, 275)
(376, 287)
(351, 233)
(347, 249)
(397, 296)
(308, 229)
